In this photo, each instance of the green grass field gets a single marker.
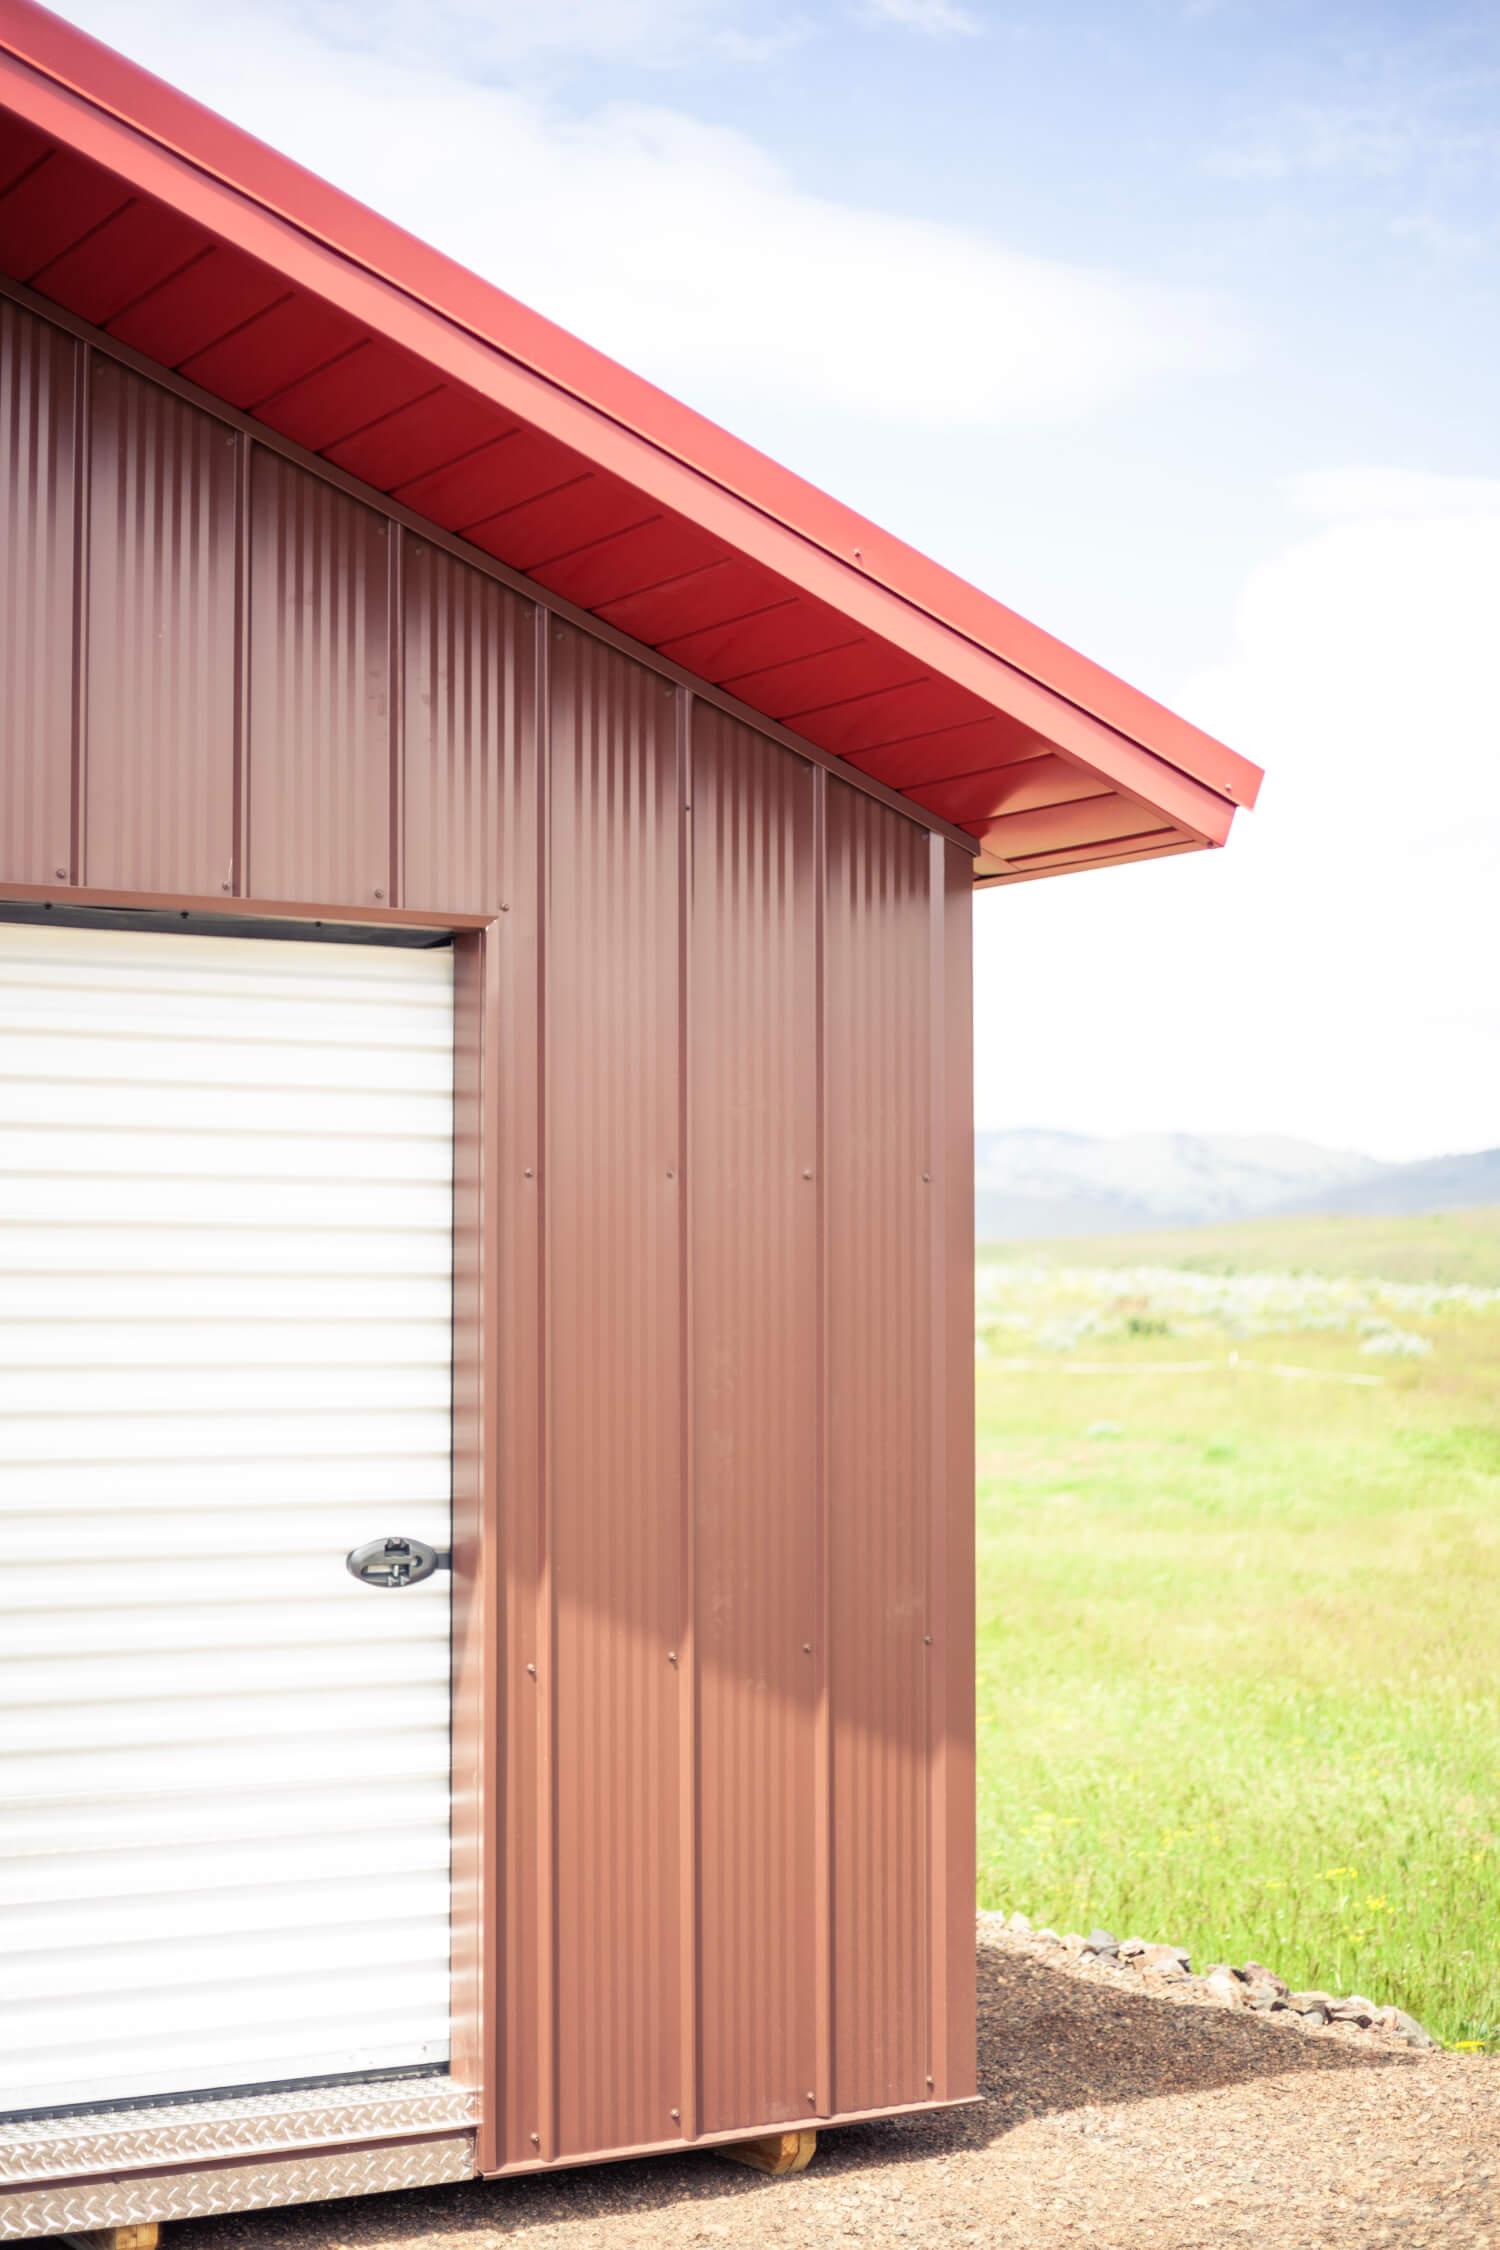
(1239, 1629)
(1440, 1246)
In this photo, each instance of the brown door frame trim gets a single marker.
(477, 1612)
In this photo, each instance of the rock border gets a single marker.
(1254, 1987)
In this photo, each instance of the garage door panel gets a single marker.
(225, 1359)
(308, 1542)
(160, 2056)
(83, 1682)
(270, 1114)
(340, 1306)
(230, 1259)
(196, 1344)
(114, 1880)
(102, 1044)
(391, 1162)
(261, 1436)
(226, 1716)
(175, 1965)
(92, 1831)
(374, 1397)
(305, 1755)
(327, 1207)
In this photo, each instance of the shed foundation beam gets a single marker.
(773, 2152)
(143, 2236)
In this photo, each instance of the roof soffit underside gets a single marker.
(306, 341)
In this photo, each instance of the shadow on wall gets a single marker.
(1047, 2042)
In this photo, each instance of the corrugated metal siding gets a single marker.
(38, 381)
(951, 1513)
(880, 1218)
(702, 1870)
(159, 806)
(472, 794)
(470, 703)
(320, 697)
(756, 1458)
(225, 1335)
(522, 1814)
(614, 1197)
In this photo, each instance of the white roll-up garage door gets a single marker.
(225, 1352)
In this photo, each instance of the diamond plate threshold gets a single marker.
(75, 2175)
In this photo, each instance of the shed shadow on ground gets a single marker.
(1048, 2041)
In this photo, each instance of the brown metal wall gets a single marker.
(614, 1201)
(469, 682)
(715, 1241)
(879, 1122)
(158, 799)
(40, 372)
(756, 1196)
(951, 1808)
(320, 724)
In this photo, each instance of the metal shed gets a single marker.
(485, 864)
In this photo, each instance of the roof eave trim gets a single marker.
(882, 613)
(529, 589)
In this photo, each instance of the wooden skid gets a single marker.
(142, 2236)
(773, 2152)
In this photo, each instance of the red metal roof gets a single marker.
(188, 240)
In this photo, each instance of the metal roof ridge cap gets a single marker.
(594, 405)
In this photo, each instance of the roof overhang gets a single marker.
(188, 241)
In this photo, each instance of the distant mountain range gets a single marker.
(1031, 1184)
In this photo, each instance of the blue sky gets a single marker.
(1175, 326)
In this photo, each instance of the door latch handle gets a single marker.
(394, 1563)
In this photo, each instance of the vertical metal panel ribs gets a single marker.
(725, 1043)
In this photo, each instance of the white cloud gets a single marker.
(482, 35)
(684, 249)
(1441, 238)
(1309, 138)
(1365, 657)
(1395, 495)
(939, 17)
(1332, 973)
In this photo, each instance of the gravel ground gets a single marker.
(1114, 2115)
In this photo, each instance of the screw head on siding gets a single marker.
(380, 894)
(677, 2116)
(807, 1171)
(61, 874)
(528, 1172)
(531, 1668)
(807, 1648)
(536, 2140)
